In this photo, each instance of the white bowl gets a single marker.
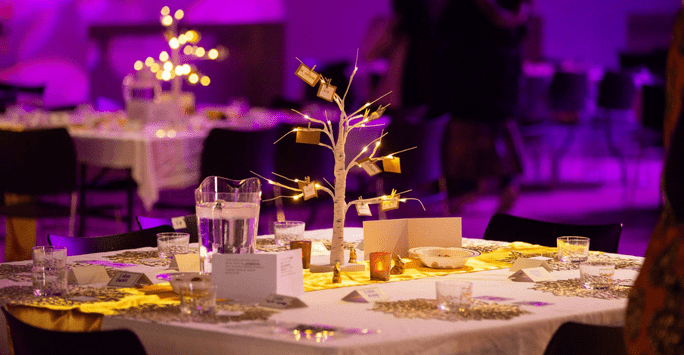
(175, 278)
(444, 258)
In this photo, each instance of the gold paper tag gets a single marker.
(369, 166)
(308, 189)
(307, 74)
(389, 204)
(391, 165)
(308, 136)
(363, 209)
(326, 92)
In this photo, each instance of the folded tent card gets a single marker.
(399, 235)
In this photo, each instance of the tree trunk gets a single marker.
(337, 248)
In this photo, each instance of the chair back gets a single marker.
(616, 91)
(41, 162)
(26, 339)
(587, 339)
(190, 222)
(131, 240)
(234, 154)
(568, 91)
(509, 228)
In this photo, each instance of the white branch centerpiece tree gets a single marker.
(365, 159)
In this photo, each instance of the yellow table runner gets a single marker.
(89, 315)
(414, 269)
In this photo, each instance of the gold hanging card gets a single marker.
(369, 166)
(389, 204)
(326, 92)
(391, 165)
(308, 136)
(307, 74)
(362, 209)
(308, 189)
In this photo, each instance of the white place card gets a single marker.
(369, 167)
(84, 275)
(185, 262)
(308, 190)
(367, 295)
(525, 263)
(307, 74)
(533, 274)
(362, 209)
(178, 223)
(399, 235)
(252, 277)
(282, 302)
(129, 279)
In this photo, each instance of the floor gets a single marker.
(589, 189)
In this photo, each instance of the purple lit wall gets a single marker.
(45, 41)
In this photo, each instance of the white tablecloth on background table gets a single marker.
(158, 160)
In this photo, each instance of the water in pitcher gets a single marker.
(226, 228)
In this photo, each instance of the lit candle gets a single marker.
(305, 246)
(380, 264)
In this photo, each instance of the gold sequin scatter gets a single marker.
(18, 273)
(23, 295)
(484, 246)
(171, 313)
(427, 309)
(147, 258)
(573, 288)
(557, 265)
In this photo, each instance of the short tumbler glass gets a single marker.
(49, 273)
(286, 231)
(573, 249)
(197, 296)
(454, 295)
(172, 243)
(597, 275)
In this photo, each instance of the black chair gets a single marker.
(39, 168)
(190, 222)
(236, 155)
(616, 93)
(509, 228)
(586, 339)
(299, 160)
(421, 168)
(26, 339)
(567, 99)
(131, 240)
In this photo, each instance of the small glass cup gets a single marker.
(286, 231)
(380, 265)
(573, 249)
(172, 243)
(454, 295)
(49, 273)
(305, 246)
(596, 275)
(197, 296)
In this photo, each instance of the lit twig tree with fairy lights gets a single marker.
(184, 49)
(366, 159)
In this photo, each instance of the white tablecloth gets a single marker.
(527, 334)
(158, 159)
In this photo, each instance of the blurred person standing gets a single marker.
(477, 68)
(397, 52)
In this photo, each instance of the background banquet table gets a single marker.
(387, 334)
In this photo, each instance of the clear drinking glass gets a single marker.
(49, 273)
(197, 296)
(172, 243)
(573, 249)
(227, 217)
(454, 295)
(286, 231)
(597, 275)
